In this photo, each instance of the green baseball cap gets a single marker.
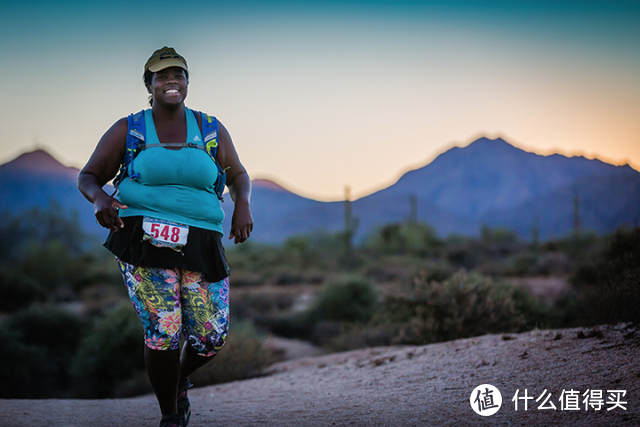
(165, 58)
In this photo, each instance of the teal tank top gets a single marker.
(174, 185)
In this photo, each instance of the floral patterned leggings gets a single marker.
(170, 300)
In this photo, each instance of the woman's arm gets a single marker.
(100, 169)
(239, 185)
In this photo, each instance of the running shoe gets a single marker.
(184, 406)
(173, 420)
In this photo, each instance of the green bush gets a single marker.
(499, 242)
(18, 291)
(350, 299)
(301, 259)
(38, 346)
(255, 305)
(608, 285)
(352, 336)
(252, 256)
(110, 354)
(402, 268)
(37, 226)
(48, 263)
(344, 301)
(408, 237)
(462, 252)
(297, 325)
(24, 371)
(465, 305)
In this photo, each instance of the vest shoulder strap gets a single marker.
(210, 139)
(135, 136)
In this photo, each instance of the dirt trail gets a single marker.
(396, 386)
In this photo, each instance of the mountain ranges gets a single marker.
(487, 183)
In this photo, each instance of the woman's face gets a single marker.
(169, 86)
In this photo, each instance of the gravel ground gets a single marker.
(398, 386)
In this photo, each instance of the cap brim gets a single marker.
(167, 63)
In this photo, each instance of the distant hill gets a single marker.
(604, 204)
(492, 175)
(489, 182)
(36, 179)
(37, 163)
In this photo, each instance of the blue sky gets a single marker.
(320, 95)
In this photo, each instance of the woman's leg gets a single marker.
(190, 361)
(163, 367)
(205, 313)
(155, 294)
(205, 320)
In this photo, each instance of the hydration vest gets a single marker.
(136, 133)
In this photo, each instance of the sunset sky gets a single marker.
(320, 95)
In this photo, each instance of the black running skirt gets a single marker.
(203, 252)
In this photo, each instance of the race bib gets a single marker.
(165, 234)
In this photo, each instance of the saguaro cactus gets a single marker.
(413, 209)
(350, 227)
(576, 213)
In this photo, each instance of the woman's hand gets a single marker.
(106, 210)
(239, 185)
(102, 167)
(241, 222)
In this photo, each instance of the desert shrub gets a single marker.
(261, 302)
(343, 303)
(110, 354)
(18, 291)
(286, 276)
(255, 264)
(246, 278)
(50, 326)
(301, 259)
(537, 313)
(46, 255)
(402, 268)
(608, 286)
(462, 252)
(38, 346)
(550, 264)
(352, 336)
(23, 371)
(350, 299)
(345, 300)
(488, 253)
(48, 263)
(39, 225)
(498, 242)
(298, 325)
(97, 266)
(578, 246)
(299, 251)
(463, 306)
(409, 237)
(243, 356)
(252, 256)
(526, 263)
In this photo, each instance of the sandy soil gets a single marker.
(397, 386)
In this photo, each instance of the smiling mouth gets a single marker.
(172, 91)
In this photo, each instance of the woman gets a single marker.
(172, 286)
